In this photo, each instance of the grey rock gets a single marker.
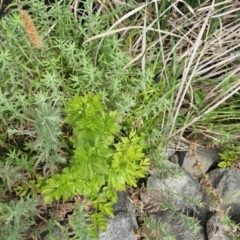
(227, 184)
(207, 157)
(124, 224)
(56, 233)
(130, 206)
(170, 165)
(174, 189)
(121, 205)
(215, 229)
(174, 225)
(121, 227)
(170, 150)
(172, 147)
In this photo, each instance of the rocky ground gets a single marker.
(198, 179)
(199, 172)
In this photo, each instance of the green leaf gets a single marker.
(48, 198)
(107, 208)
(116, 181)
(224, 164)
(140, 174)
(199, 98)
(79, 185)
(110, 193)
(99, 222)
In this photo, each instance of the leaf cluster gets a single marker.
(100, 166)
(228, 156)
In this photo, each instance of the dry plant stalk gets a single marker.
(211, 191)
(206, 184)
(31, 30)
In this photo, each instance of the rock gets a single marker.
(169, 150)
(208, 157)
(173, 147)
(121, 205)
(120, 227)
(175, 189)
(123, 225)
(175, 226)
(170, 165)
(215, 229)
(55, 233)
(227, 184)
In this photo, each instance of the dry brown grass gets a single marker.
(206, 44)
(213, 55)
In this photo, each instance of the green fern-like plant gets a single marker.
(228, 156)
(102, 162)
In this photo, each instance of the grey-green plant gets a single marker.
(16, 217)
